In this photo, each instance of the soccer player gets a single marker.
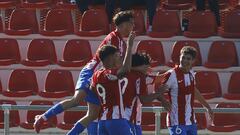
(136, 91)
(107, 84)
(182, 92)
(124, 25)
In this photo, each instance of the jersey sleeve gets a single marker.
(165, 78)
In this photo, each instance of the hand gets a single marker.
(167, 105)
(38, 123)
(210, 114)
(162, 88)
(131, 38)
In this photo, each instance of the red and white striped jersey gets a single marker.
(113, 38)
(109, 90)
(181, 94)
(137, 86)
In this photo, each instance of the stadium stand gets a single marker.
(9, 51)
(58, 22)
(166, 24)
(60, 28)
(154, 49)
(76, 53)
(98, 26)
(233, 87)
(58, 84)
(201, 29)
(208, 90)
(22, 83)
(222, 54)
(41, 52)
(22, 22)
(230, 28)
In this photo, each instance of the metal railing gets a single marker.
(157, 110)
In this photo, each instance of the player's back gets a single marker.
(106, 84)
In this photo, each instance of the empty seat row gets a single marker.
(168, 4)
(69, 118)
(37, 4)
(77, 53)
(223, 122)
(222, 54)
(23, 83)
(59, 22)
(41, 52)
(59, 83)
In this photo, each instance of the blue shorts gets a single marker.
(183, 130)
(92, 128)
(83, 83)
(137, 129)
(114, 127)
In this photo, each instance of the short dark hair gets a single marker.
(189, 50)
(139, 59)
(122, 16)
(106, 50)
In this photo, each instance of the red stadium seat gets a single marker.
(36, 3)
(58, 84)
(201, 29)
(178, 4)
(58, 22)
(233, 87)
(8, 3)
(41, 52)
(14, 115)
(208, 90)
(222, 54)
(77, 52)
(165, 24)
(178, 45)
(22, 22)
(139, 24)
(230, 28)
(22, 83)
(99, 23)
(154, 49)
(28, 124)
(70, 118)
(9, 51)
(200, 117)
(226, 122)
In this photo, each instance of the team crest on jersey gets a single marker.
(111, 77)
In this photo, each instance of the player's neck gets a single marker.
(108, 65)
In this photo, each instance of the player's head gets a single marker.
(124, 22)
(110, 56)
(187, 56)
(140, 62)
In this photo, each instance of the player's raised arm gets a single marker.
(128, 56)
